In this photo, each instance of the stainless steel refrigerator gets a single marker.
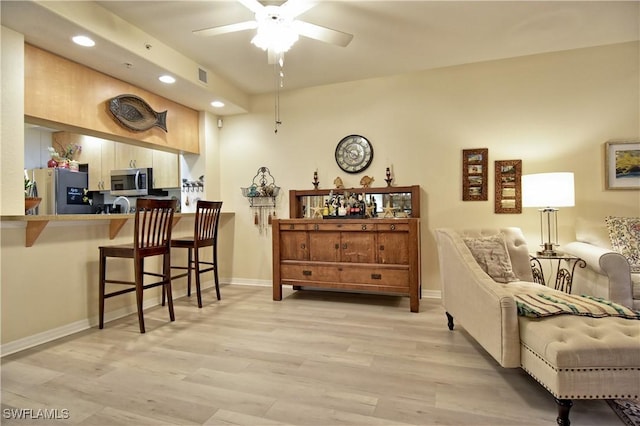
(62, 191)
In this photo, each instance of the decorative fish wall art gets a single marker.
(135, 114)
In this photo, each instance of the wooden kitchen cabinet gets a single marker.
(166, 165)
(368, 255)
(166, 169)
(129, 156)
(103, 155)
(97, 153)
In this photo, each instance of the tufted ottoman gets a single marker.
(577, 357)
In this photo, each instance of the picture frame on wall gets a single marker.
(622, 164)
(474, 174)
(508, 192)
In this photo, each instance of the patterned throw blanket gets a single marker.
(538, 305)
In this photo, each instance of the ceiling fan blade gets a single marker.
(272, 56)
(240, 26)
(324, 34)
(293, 8)
(253, 5)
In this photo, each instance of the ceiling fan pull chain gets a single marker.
(279, 75)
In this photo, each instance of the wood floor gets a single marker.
(315, 358)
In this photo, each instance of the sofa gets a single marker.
(572, 356)
(607, 273)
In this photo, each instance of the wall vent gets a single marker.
(202, 75)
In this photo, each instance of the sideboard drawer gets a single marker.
(376, 276)
(309, 273)
(402, 226)
(356, 226)
(294, 227)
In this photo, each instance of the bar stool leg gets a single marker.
(189, 260)
(102, 284)
(215, 269)
(139, 268)
(167, 284)
(196, 256)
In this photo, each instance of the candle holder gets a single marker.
(389, 179)
(315, 182)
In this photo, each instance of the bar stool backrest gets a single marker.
(153, 224)
(206, 222)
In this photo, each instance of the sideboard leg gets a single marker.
(564, 405)
(414, 303)
(449, 321)
(277, 291)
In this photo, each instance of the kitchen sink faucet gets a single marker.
(121, 197)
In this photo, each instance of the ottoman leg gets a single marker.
(449, 321)
(564, 405)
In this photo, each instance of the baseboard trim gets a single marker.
(44, 337)
(78, 326)
(432, 294)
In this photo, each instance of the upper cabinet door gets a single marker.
(90, 154)
(166, 169)
(133, 157)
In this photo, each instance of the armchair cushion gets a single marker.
(625, 238)
(491, 254)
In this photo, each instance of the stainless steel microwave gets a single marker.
(132, 182)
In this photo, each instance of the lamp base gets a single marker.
(548, 249)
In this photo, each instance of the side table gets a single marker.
(564, 275)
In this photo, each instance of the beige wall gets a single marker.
(11, 127)
(553, 111)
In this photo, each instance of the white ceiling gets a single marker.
(390, 37)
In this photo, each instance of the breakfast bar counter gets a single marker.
(50, 279)
(35, 224)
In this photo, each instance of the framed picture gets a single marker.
(622, 164)
(508, 197)
(474, 174)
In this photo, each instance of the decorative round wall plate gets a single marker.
(354, 153)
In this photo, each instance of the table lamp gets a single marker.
(548, 191)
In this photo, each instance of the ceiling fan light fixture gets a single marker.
(277, 35)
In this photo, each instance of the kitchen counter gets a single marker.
(35, 224)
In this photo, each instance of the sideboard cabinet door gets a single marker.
(294, 245)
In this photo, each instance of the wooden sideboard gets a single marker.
(370, 255)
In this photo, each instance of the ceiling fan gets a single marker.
(277, 28)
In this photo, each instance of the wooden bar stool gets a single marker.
(152, 237)
(205, 234)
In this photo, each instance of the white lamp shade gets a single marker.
(548, 190)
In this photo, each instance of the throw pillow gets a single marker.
(492, 256)
(624, 233)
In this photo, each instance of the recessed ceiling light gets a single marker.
(217, 104)
(83, 41)
(167, 79)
